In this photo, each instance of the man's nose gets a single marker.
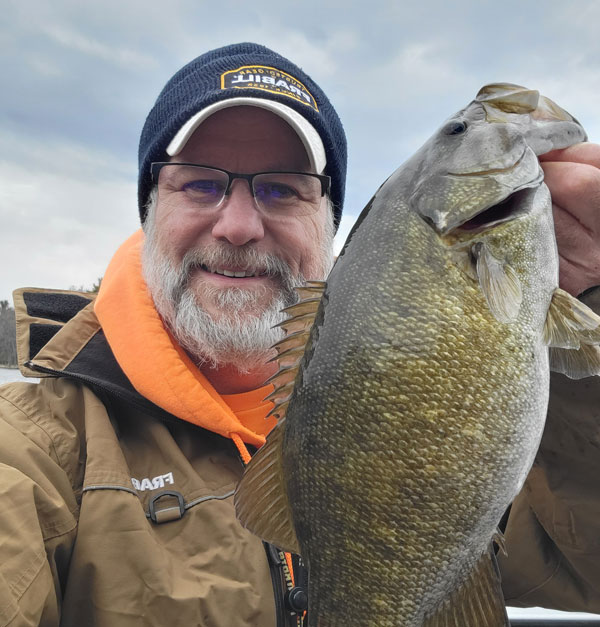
(238, 219)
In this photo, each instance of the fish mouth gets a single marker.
(514, 206)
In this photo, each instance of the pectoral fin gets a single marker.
(572, 331)
(576, 364)
(261, 502)
(479, 602)
(499, 283)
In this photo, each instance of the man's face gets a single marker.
(203, 247)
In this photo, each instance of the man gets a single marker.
(117, 471)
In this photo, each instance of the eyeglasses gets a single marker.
(204, 187)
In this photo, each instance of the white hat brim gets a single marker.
(304, 129)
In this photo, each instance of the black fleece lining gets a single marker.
(54, 306)
(41, 334)
(97, 364)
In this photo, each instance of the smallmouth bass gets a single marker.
(413, 386)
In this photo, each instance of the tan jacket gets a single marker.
(83, 458)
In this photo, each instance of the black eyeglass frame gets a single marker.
(157, 166)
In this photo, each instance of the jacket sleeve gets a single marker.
(38, 504)
(553, 531)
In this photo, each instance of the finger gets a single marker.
(575, 187)
(572, 236)
(579, 153)
(579, 253)
(569, 277)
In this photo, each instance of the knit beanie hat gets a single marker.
(244, 73)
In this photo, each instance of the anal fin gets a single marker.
(479, 602)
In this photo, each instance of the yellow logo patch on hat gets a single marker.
(268, 79)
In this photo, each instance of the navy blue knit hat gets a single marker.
(240, 70)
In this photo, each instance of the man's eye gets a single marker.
(276, 191)
(203, 187)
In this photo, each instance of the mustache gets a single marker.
(243, 257)
(247, 258)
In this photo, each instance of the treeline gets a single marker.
(8, 344)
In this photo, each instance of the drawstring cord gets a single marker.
(241, 447)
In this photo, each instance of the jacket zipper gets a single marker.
(92, 383)
(285, 617)
(275, 565)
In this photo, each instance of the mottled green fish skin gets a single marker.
(416, 413)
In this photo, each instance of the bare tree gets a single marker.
(8, 344)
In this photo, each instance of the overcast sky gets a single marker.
(78, 79)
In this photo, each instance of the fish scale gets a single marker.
(419, 402)
(424, 444)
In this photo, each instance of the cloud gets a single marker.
(64, 210)
(77, 41)
(80, 78)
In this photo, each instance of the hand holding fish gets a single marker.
(573, 177)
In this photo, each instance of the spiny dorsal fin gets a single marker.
(312, 289)
(280, 408)
(261, 501)
(479, 602)
(290, 357)
(297, 323)
(292, 347)
(293, 340)
(499, 283)
(283, 376)
(281, 393)
(302, 307)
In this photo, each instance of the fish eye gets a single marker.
(455, 128)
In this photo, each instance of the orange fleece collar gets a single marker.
(158, 368)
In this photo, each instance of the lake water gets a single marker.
(8, 374)
(12, 374)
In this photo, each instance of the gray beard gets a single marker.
(244, 334)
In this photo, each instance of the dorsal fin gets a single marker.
(306, 306)
(261, 501)
(297, 323)
(292, 340)
(283, 376)
(291, 348)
